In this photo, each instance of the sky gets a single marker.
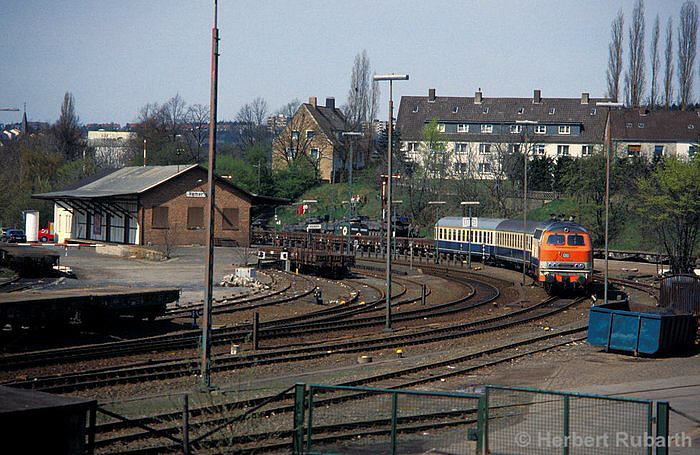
(116, 56)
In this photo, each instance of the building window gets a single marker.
(538, 149)
(310, 134)
(314, 154)
(195, 217)
(460, 167)
(230, 219)
(640, 125)
(455, 109)
(634, 150)
(295, 135)
(484, 167)
(441, 127)
(461, 149)
(562, 150)
(593, 111)
(290, 153)
(484, 149)
(540, 129)
(658, 151)
(628, 125)
(521, 110)
(513, 148)
(413, 146)
(552, 110)
(691, 126)
(159, 218)
(564, 129)
(585, 150)
(485, 110)
(516, 129)
(415, 109)
(462, 128)
(487, 128)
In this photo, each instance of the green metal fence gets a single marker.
(338, 420)
(527, 421)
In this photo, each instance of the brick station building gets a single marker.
(153, 205)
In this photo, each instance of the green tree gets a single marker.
(292, 181)
(66, 131)
(670, 204)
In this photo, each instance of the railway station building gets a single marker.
(153, 205)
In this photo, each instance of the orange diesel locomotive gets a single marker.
(558, 253)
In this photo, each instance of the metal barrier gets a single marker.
(529, 421)
(365, 420)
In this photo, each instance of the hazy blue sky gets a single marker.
(115, 56)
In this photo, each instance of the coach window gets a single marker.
(575, 240)
(160, 218)
(230, 219)
(556, 239)
(195, 217)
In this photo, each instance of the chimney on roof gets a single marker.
(330, 102)
(312, 101)
(585, 98)
(537, 97)
(431, 95)
(477, 97)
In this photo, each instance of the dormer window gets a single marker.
(521, 110)
(486, 110)
(540, 129)
(455, 109)
(487, 129)
(552, 110)
(462, 128)
(516, 129)
(691, 126)
(415, 109)
(593, 111)
(564, 129)
(441, 127)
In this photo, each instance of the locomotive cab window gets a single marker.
(556, 239)
(575, 240)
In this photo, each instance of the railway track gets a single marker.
(150, 372)
(458, 365)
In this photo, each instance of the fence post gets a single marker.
(91, 428)
(650, 426)
(485, 424)
(394, 402)
(298, 425)
(662, 415)
(186, 424)
(256, 322)
(310, 420)
(422, 294)
(481, 417)
(566, 426)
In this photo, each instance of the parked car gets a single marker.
(46, 236)
(14, 236)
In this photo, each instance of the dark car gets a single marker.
(14, 236)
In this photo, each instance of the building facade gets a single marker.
(111, 147)
(478, 130)
(152, 205)
(315, 133)
(655, 134)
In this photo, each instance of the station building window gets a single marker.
(230, 219)
(159, 218)
(195, 217)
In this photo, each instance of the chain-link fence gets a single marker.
(363, 420)
(527, 421)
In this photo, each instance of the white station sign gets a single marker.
(196, 194)
(465, 222)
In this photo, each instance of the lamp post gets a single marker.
(608, 140)
(526, 152)
(391, 78)
(437, 205)
(469, 204)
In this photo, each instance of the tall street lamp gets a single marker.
(608, 140)
(469, 204)
(391, 78)
(437, 205)
(525, 159)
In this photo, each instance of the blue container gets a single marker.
(639, 333)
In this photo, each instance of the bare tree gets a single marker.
(655, 64)
(172, 114)
(635, 79)
(253, 116)
(615, 57)
(197, 132)
(668, 67)
(687, 46)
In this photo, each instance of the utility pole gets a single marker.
(209, 269)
